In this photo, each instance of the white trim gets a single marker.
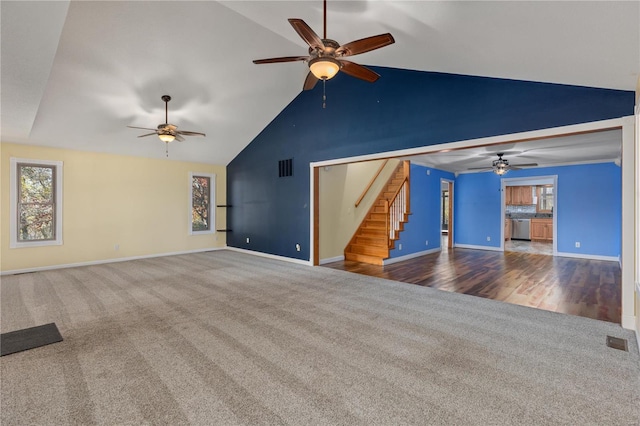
(331, 260)
(588, 256)
(628, 256)
(103, 261)
(390, 261)
(475, 247)
(491, 140)
(13, 203)
(271, 256)
(212, 203)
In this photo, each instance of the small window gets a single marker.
(36, 203)
(202, 215)
(545, 199)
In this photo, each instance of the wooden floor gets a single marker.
(587, 288)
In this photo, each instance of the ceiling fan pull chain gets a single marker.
(324, 94)
(166, 148)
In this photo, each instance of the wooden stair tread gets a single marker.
(372, 260)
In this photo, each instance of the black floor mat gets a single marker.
(29, 338)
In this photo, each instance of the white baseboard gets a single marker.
(331, 260)
(101, 262)
(471, 246)
(588, 256)
(409, 256)
(271, 256)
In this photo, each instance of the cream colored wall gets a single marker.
(140, 204)
(340, 187)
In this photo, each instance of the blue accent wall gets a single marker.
(424, 222)
(403, 109)
(589, 208)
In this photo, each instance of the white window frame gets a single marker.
(13, 195)
(212, 203)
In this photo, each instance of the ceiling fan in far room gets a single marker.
(502, 166)
(166, 131)
(326, 56)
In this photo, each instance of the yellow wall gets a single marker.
(140, 204)
(340, 186)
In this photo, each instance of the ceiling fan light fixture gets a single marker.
(324, 68)
(500, 166)
(500, 171)
(166, 137)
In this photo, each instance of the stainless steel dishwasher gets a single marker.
(521, 229)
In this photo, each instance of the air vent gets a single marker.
(617, 343)
(285, 168)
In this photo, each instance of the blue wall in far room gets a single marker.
(476, 209)
(424, 221)
(403, 109)
(589, 208)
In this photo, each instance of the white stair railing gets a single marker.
(397, 211)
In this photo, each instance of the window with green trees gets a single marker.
(202, 195)
(36, 212)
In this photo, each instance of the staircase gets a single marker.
(383, 223)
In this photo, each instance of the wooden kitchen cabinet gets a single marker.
(518, 196)
(507, 229)
(542, 229)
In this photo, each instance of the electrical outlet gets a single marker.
(116, 247)
(297, 247)
(248, 240)
(577, 244)
(488, 238)
(400, 246)
(426, 242)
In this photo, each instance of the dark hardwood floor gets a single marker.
(587, 288)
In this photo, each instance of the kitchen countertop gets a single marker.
(529, 216)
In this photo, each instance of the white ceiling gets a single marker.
(75, 74)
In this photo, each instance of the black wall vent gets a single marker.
(285, 168)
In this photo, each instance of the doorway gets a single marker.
(446, 214)
(528, 206)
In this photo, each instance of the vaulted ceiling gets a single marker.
(75, 74)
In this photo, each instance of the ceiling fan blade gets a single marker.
(359, 71)
(148, 134)
(480, 168)
(310, 81)
(525, 165)
(282, 59)
(179, 138)
(188, 133)
(365, 45)
(306, 33)
(143, 128)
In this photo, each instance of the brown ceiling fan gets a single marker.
(168, 132)
(326, 56)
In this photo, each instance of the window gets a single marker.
(545, 198)
(202, 215)
(36, 203)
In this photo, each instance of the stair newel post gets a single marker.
(407, 172)
(386, 221)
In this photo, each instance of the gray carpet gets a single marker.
(225, 338)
